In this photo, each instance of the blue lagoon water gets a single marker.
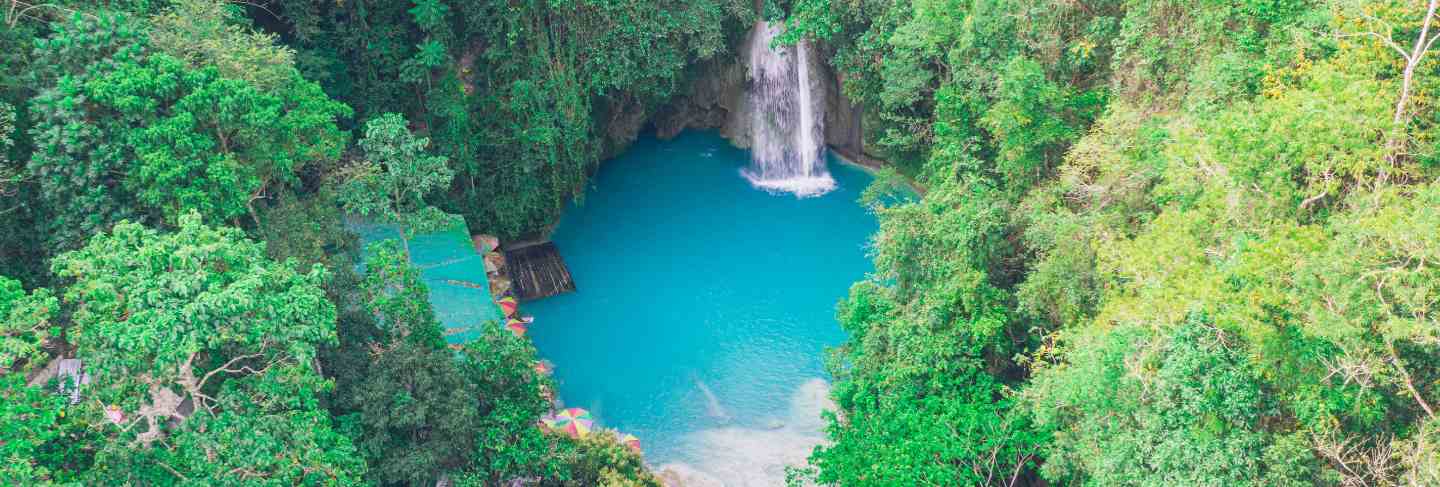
(703, 307)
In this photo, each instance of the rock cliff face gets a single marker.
(716, 99)
(621, 119)
(842, 118)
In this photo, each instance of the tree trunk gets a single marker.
(1400, 123)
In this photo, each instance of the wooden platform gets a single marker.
(537, 271)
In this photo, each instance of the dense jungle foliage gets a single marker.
(1160, 242)
(174, 177)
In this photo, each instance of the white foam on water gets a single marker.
(745, 457)
(802, 187)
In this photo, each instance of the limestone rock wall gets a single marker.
(842, 118)
(715, 99)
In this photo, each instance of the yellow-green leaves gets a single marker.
(1378, 280)
(205, 33)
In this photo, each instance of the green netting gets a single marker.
(454, 272)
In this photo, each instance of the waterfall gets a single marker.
(787, 135)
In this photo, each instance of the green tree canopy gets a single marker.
(127, 131)
(28, 419)
(391, 183)
(198, 339)
(419, 415)
(27, 321)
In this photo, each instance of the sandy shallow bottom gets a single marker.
(757, 457)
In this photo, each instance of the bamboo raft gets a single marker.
(537, 271)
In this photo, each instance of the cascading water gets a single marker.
(788, 152)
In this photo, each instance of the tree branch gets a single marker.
(1405, 375)
(226, 368)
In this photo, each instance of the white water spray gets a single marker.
(787, 152)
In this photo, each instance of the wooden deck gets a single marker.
(537, 271)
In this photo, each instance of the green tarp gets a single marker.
(454, 272)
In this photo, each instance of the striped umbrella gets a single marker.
(630, 441)
(516, 326)
(574, 421)
(508, 305)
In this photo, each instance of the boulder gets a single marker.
(499, 285)
(494, 262)
(485, 244)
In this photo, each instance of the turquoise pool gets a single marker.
(704, 307)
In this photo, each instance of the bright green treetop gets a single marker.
(393, 180)
(177, 307)
(26, 321)
(28, 417)
(396, 297)
(208, 347)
